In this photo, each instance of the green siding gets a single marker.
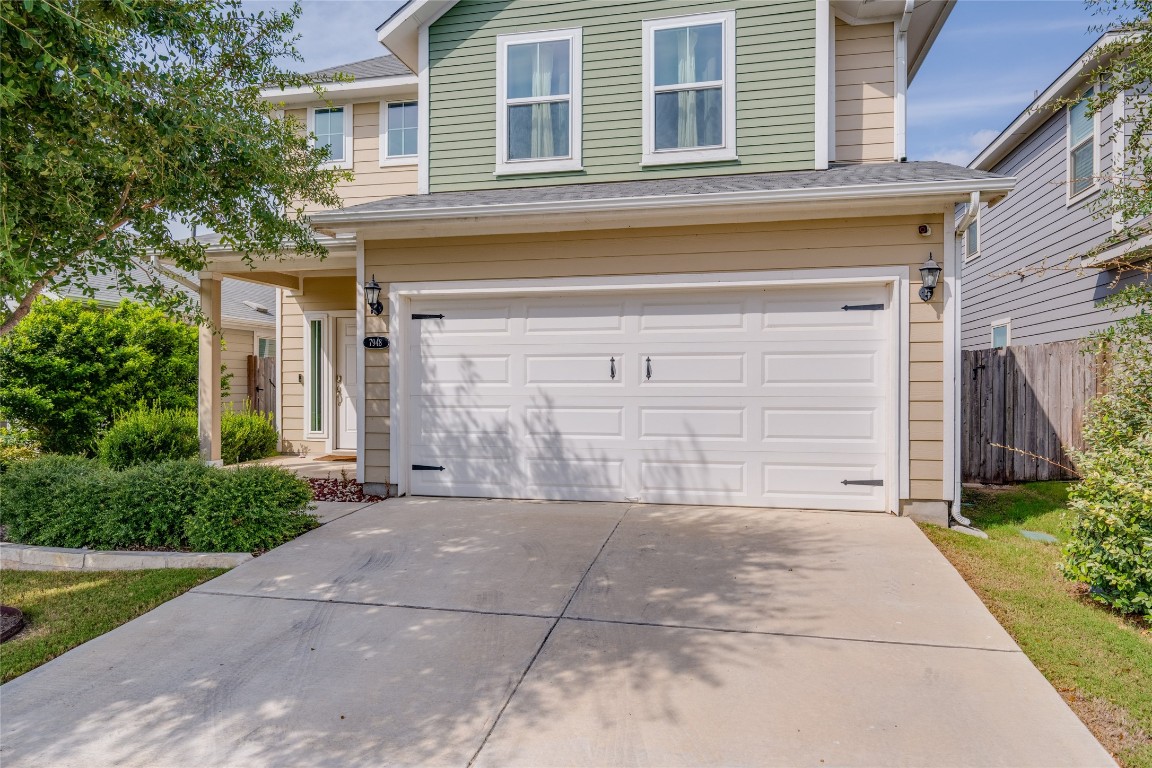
(775, 87)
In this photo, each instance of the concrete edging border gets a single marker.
(25, 557)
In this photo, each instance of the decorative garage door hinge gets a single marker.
(861, 482)
(427, 466)
(849, 307)
(418, 316)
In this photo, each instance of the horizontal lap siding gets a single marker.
(321, 294)
(370, 181)
(775, 88)
(238, 344)
(865, 86)
(1032, 228)
(736, 247)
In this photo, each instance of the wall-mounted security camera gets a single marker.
(924, 230)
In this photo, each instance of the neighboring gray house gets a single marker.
(1061, 158)
(248, 320)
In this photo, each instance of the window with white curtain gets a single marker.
(1082, 155)
(689, 89)
(538, 89)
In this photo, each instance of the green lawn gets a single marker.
(63, 609)
(1100, 662)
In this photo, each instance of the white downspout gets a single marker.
(900, 133)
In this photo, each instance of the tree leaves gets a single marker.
(118, 116)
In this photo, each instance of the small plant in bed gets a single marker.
(70, 501)
(342, 488)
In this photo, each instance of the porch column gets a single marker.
(209, 393)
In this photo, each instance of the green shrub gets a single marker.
(148, 505)
(150, 434)
(247, 435)
(71, 501)
(54, 501)
(248, 509)
(1110, 548)
(16, 445)
(70, 366)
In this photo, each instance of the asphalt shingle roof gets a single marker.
(233, 294)
(836, 176)
(380, 66)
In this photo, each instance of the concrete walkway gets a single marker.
(494, 633)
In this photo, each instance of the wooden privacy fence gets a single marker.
(262, 384)
(1029, 398)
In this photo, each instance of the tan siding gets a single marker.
(371, 181)
(736, 247)
(321, 294)
(865, 89)
(238, 344)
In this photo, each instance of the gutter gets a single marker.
(973, 187)
(900, 135)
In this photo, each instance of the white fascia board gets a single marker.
(399, 33)
(366, 89)
(1131, 251)
(1036, 113)
(962, 188)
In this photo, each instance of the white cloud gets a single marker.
(966, 148)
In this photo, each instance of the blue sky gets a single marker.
(983, 70)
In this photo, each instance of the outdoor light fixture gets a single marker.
(372, 295)
(929, 276)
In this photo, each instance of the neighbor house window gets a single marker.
(690, 88)
(1001, 333)
(1082, 160)
(972, 239)
(331, 131)
(538, 94)
(266, 347)
(399, 137)
(315, 368)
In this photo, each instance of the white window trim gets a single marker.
(574, 160)
(978, 222)
(1094, 139)
(387, 160)
(326, 407)
(1006, 324)
(727, 151)
(346, 163)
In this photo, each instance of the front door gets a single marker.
(347, 384)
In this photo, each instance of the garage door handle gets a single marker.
(612, 367)
(648, 368)
(862, 482)
(427, 467)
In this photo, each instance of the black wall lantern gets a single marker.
(929, 276)
(372, 296)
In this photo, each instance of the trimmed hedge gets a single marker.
(71, 501)
(150, 434)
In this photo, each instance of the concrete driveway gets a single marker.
(496, 633)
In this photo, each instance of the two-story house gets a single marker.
(657, 251)
(1024, 280)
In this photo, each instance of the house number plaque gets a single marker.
(376, 342)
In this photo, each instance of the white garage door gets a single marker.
(765, 397)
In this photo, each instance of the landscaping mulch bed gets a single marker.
(339, 489)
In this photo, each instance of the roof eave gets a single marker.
(373, 87)
(349, 220)
(1036, 113)
(399, 34)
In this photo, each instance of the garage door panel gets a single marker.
(758, 398)
(551, 317)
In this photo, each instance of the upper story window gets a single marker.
(399, 134)
(1083, 157)
(328, 125)
(538, 94)
(690, 89)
